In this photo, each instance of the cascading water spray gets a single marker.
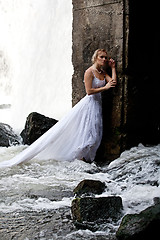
(36, 48)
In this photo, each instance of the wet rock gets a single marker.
(144, 225)
(89, 209)
(156, 200)
(89, 187)
(89, 212)
(36, 125)
(7, 136)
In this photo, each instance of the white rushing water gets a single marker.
(35, 59)
(135, 176)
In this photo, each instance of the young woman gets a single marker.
(78, 134)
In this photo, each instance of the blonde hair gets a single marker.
(95, 55)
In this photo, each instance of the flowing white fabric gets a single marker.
(75, 136)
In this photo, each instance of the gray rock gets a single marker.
(89, 187)
(7, 136)
(36, 125)
(144, 225)
(89, 209)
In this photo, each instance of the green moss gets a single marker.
(117, 131)
(75, 209)
(140, 226)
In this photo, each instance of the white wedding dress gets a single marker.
(77, 135)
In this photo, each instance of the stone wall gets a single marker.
(96, 24)
(131, 111)
(100, 24)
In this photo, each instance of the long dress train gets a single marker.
(77, 135)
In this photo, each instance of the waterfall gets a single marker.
(35, 59)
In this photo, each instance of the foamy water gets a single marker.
(135, 176)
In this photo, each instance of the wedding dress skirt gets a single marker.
(77, 135)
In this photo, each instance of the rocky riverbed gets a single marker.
(36, 197)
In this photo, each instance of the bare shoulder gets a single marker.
(88, 72)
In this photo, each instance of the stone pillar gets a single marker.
(131, 112)
(101, 24)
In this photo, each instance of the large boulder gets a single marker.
(90, 212)
(36, 125)
(89, 187)
(7, 136)
(93, 210)
(144, 225)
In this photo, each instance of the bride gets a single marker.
(78, 134)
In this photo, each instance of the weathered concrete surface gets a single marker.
(95, 26)
(100, 24)
(131, 111)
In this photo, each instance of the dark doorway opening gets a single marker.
(143, 123)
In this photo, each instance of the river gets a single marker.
(36, 196)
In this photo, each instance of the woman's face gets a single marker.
(101, 59)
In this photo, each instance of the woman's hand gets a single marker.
(110, 84)
(111, 63)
